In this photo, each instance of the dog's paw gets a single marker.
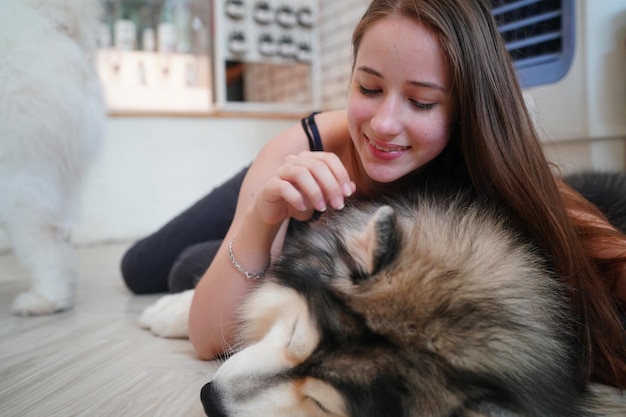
(169, 316)
(33, 304)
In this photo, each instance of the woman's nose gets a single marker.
(387, 118)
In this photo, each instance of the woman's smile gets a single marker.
(385, 151)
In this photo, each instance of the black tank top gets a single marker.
(312, 133)
(315, 144)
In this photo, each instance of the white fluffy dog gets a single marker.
(52, 118)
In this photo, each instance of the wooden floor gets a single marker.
(94, 360)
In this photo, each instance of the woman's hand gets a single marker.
(304, 183)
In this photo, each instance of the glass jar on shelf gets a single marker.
(155, 55)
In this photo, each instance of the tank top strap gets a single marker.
(312, 133)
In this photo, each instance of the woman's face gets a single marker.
(400, 106)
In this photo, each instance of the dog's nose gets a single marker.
(211, 401)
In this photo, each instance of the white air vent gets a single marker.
(583, 112)
(539, 35)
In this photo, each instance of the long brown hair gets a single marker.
(497, 143)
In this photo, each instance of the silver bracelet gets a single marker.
(249, 275)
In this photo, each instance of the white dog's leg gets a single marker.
(52, 121)
(169, 316)
(47, 254)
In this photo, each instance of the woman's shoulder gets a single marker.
(333, 129)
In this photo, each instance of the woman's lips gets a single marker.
(386, 151)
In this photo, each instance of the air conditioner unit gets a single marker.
(571, 61)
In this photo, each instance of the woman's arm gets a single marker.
(285, 180)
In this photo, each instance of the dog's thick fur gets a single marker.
(52, 119)
(434, 307)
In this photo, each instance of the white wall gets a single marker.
(152, 168)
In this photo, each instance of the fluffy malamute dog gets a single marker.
(51, 124)
(429, 307)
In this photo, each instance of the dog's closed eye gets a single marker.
(324, 397)
(320, 406)
(304, 337)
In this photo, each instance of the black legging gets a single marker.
(176, 256)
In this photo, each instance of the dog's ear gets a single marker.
(379, 243)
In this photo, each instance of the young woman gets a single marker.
(432, 93)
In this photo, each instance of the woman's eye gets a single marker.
(417, 104)
(367, 91)
(422, 106)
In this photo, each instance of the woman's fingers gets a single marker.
(309, 187)
(280, 199)
(305, 183)
(320, 176)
